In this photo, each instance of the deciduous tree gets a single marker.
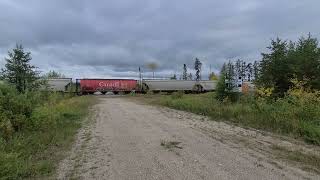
(213, 76)
(152, 66)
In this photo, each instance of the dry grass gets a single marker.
(310, 162)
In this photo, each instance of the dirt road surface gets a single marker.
(129, 140)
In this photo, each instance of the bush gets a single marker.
(33, 126)
(17, 108)
(14, 110)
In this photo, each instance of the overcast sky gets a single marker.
(113, 38)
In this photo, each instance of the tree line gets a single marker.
(197, 66)
(284, 63)
(288, 60)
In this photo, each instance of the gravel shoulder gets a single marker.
(126, 139)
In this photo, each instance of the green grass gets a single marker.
(296, 118)
(34, 151)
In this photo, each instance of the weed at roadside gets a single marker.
(170, 144)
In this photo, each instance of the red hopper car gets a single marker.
(90, 86)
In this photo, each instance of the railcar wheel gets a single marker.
(198, 89)
(145, 88)
(121, 93)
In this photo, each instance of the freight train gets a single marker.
(90, 86)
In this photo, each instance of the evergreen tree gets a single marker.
(306, 56)
(197, 67)
(221, 92)
(185, 73)
(54, 74)
(286, 61)
(240, 68)
(249, 72)
(275, 70)
(174, 77)
(18, 69)
(237, 67)
(255, 70)
(230, 76)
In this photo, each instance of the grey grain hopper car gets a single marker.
(178, 85)
(58, 84)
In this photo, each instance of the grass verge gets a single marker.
(296, 118)
(34, 152)
(308, 162)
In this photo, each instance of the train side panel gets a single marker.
(208, 85)
(169, 85)
(105, 85)
(178, 85)
(59, 84)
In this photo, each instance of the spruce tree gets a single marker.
(275, 69)
(221, 88)
(197, 67)
(18, 70)
(185, 73)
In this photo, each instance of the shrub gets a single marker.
(16, 109)
(33, 127)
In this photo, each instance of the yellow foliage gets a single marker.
(264, 92)
(299, 91)
(213, 77)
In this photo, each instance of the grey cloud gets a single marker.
(113, 38)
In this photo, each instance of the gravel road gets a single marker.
(125, 139)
